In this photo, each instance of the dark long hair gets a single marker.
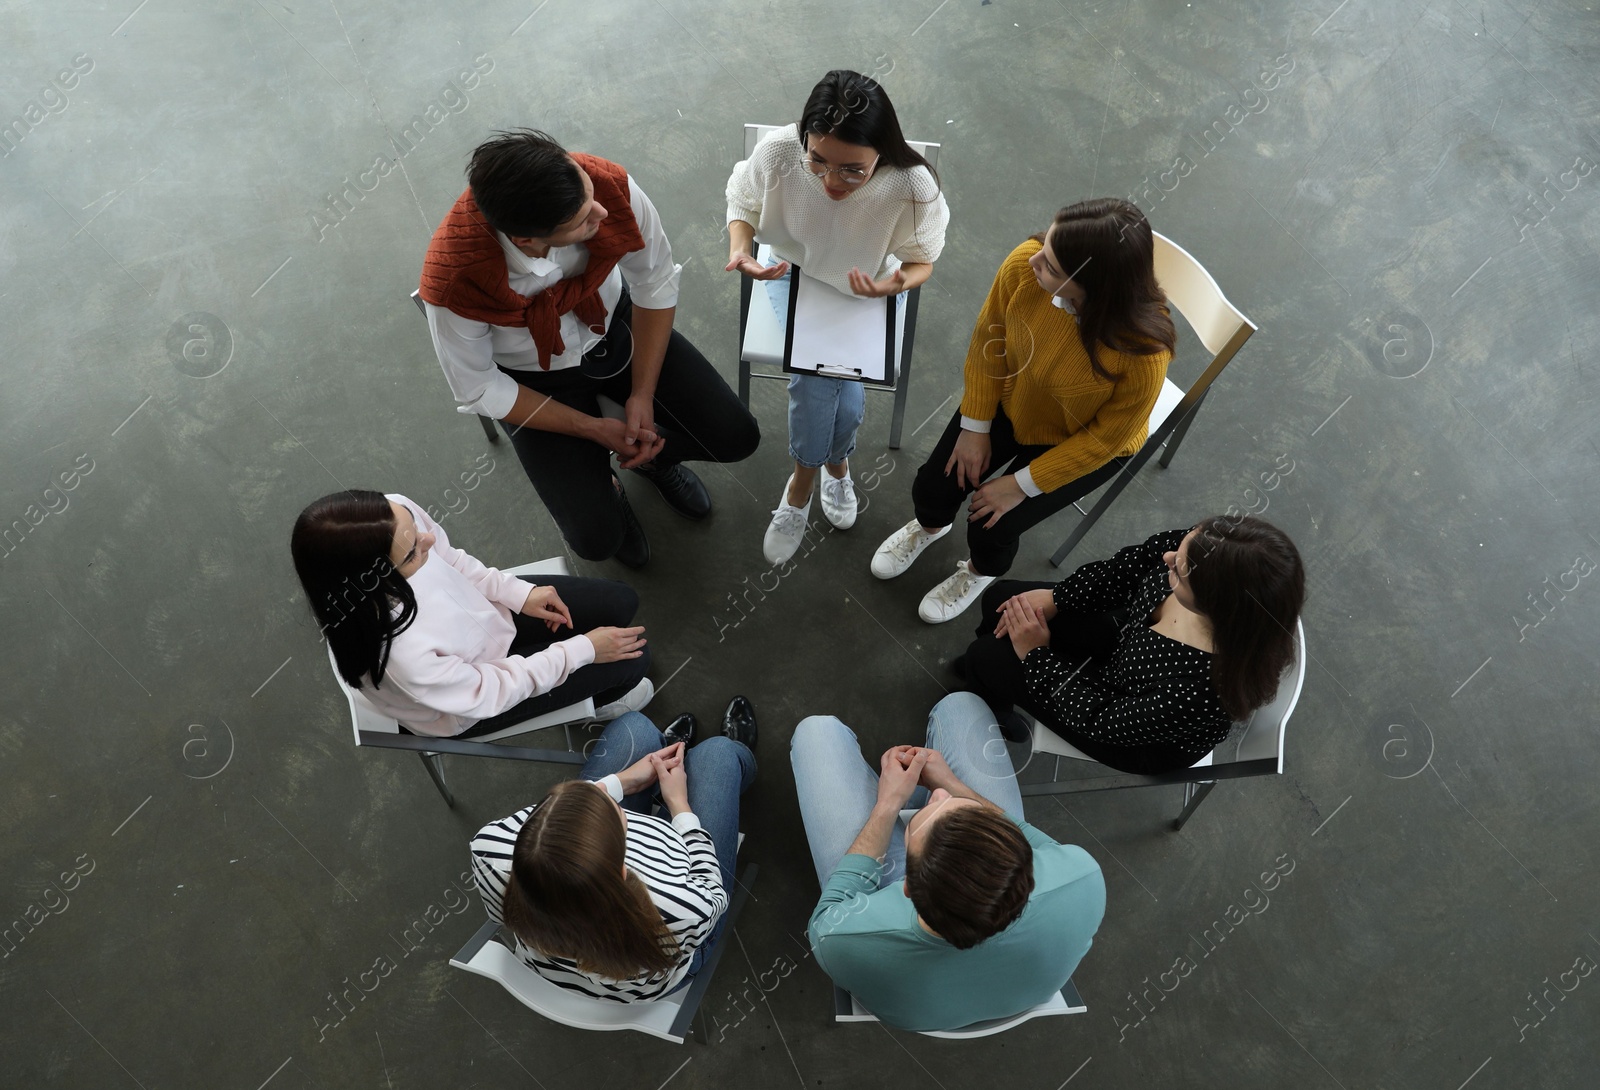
(857, 110)
(1106, 247)
(568, 898)
(524, 183)
(341, 546)
(972, 877)
(1247, 579)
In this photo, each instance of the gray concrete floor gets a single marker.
(1405, 211)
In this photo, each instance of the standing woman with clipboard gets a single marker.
(843, 196)
(1066, 361)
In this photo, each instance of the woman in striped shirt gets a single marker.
(603, 897)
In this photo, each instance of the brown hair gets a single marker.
(568, 898)
(1106, 247)
(1247, 578)
(973, 875)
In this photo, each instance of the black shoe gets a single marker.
(680, 488)
(739, 721)
(681, 729)
(958, 667)
(635, 548)
(1014, 728)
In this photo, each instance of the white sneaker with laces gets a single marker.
(787, 528)
(839, 499)
(634, 700)
(951, 598)
(900, 548)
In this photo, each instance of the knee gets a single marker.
(996, 596)
(722, 752)
(956, 714)
(598, 536)
(744, 436)
(629, 737)
(816, 733)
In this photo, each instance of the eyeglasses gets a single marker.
(847, 175)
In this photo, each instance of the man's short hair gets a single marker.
(972, 876)
(524, 183)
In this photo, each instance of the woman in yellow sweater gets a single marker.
(1066, 360)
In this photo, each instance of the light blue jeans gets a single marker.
(837, 786)
(824, 413)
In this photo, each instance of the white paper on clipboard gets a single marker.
(838, 335)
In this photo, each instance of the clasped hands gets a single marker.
(902, 769)
(634, 438)
(1026, 619)
(664, 766)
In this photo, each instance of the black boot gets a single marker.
(739, 721)
(679, 486)
(635, 548)
(681, 729)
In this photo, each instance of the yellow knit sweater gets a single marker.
(1026, 356)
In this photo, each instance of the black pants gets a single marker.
(697, 415)
(937, 497)
(593, 603)
(995, 673)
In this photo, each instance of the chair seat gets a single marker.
(763, 335)
(1066, 1001)
(1166, 401)
(1048, 741)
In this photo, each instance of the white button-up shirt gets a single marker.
(471, 353)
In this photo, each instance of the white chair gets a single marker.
(374, 728)
(1259, 752)
(846, 1008)
(668, 1018)
(607, 406)
(761, 338)
(1221, 327)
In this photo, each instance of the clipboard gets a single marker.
(827, 328)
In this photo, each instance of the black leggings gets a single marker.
(593, 603)
(937, 497)
(697, 415)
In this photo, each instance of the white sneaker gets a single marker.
(950, 599)
(633, 700)
(787, 528)
(903, 546)
(839, 499)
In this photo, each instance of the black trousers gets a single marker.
(698, 416)
(593, 603)
(995, 673)
(938, 498)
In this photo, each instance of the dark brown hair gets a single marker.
(972, 876)
(1106, 247)
(1247, 578)
(341, 546)
(857, 110)
(524, 183)
(568, 898)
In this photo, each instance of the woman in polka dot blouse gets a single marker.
(1144, 660)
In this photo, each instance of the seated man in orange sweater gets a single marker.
(1066, 361)
(550, 284)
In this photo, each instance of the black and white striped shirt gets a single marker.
(675, 860)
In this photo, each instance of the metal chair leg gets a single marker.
(1181, 431)
(489, 430)
(434, 763)
(1192, 801)
(902, 380)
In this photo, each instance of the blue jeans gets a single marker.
(719, 770)
(837, 786)
(824, 413)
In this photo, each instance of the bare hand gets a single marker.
(546, 604)
(613, 435)
(1026, 626)
(1043, 599)
(639, 414)
(863, 285)
(970, 459)
(613, 644)
(936, 772)
(752, 268)
(995, 499)
(900, 770)
(673, 778)
(642, 773)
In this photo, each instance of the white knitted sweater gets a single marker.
(896, 216)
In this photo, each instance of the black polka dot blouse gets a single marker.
(1152, 693)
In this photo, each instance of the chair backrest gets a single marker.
(1263, 734)
(1221, 326)
(493, 960)
(753, 134)
(363, 716)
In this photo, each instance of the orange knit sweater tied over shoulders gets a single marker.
(1026, 355)
(465, 268)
